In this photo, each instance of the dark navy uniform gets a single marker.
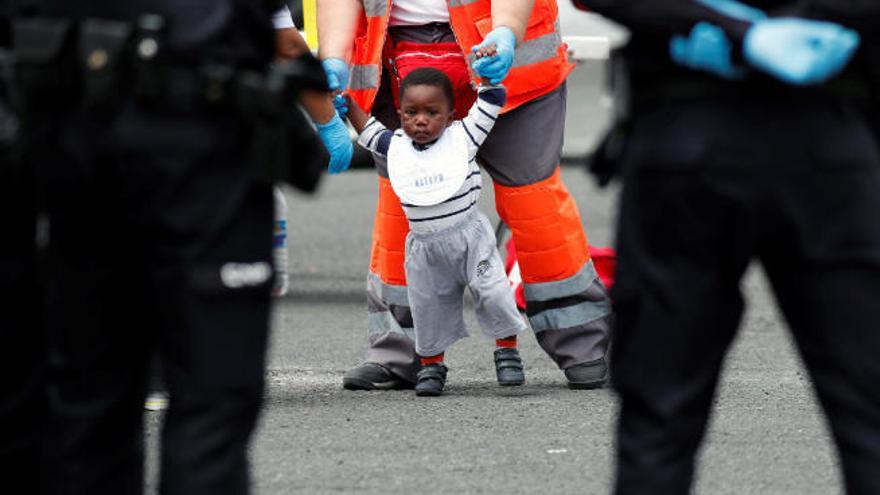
(22, 401)
(160, 241)
(718, 173)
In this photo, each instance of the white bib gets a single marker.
(431, 176)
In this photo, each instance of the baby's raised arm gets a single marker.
(482, 115)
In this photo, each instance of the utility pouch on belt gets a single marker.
(43, 68)
(103, 53)
(284, 144)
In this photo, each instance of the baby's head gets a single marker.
(426, 104)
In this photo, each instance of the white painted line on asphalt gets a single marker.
(304, 377)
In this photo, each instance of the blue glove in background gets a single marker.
(496, 68)
(800, 51)
(707, 48)
(337, 78)
(335, 136)
(734, 9)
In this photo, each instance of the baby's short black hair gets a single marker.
(429, 76)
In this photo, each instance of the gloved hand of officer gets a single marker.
(800, 51)
(334, 135)
(495, 68)
(337, 80)
(706, 48)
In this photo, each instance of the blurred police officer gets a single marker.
(144, 120)
(746, 140)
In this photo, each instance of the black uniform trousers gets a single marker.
(708, 187)
(160, 242)
(22, 397)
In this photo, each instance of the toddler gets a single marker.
(431, 163)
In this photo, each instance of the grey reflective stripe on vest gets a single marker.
(533, 51)
(364, 77)
(586, 282)
(375, 8)
(460, 3)
(537, 49)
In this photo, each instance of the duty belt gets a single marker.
(96, 64)
(57, 62)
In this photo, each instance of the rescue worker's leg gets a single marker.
(391, 360)
(682, 249)
(566, 302)
(826, 274)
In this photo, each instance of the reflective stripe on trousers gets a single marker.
(390, 326)
(571, 317)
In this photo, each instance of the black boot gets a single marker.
(509, 367)
(372, 376)
(587, 376)
(431, 379)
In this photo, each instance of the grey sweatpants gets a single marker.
(439, 265)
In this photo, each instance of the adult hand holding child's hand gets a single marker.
(496, 66)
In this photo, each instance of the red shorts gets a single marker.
(406, 56)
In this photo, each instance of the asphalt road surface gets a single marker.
(767, 436)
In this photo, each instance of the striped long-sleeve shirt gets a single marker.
(476, 125)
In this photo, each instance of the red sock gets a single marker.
(426, 360)
(508, 342)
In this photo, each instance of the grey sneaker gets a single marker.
(586, 376)
(509, 367)
(432, 378)
(373, 376)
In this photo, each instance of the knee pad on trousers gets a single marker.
(389, 237)
(550, 240)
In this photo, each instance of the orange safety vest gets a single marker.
(540, 65)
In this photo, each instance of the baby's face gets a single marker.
(424, 113)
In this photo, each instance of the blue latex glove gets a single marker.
(800, 51)
(337, 78)
(707, 48)
(495, 68)
(335, 136)
(734, 9)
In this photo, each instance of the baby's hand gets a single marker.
(483, 52)
(486, 51)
